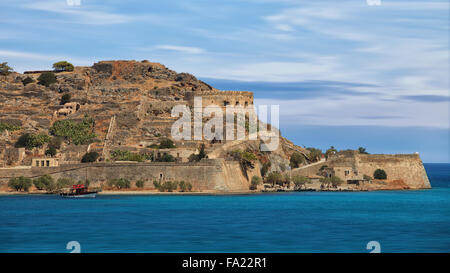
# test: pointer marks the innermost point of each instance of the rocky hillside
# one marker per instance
(129, 102)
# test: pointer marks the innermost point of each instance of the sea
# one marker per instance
(393, 221)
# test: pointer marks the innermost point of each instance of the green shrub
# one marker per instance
(119, 155)
(27, 80)
(64, 183)
(65, 99)
(63, 66)
(5, 69)
(30, 141)
(246, 159)
(90, 157)
(166, 158)
(296, 159)
(55, 142)
(256, 180)
(47, 78)
(362, 150)
(333, 181)
(140, 184)
(169, 186)
(51, 151)
(185, 186)
(274, 178)
(314, 154)
(6, 126)
(300, 181)
(166, 143)
(379, 174)
(20, 183)
(200, 156)
(265, 168)
(45, 182)
(336, 181)
(330, 151)
(366, 177)
(119, 183)
(74, 132)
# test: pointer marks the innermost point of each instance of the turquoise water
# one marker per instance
(401, 221)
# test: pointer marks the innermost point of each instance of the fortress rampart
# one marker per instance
(212, 174)
(405, 167)
(221, 98)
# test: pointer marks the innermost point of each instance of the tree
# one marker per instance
(330, 151)
(5, 69)
(265, 168)
(90, 157)
(287, 180)
(200, 156)
(119, 183)
(274, 178)
(140, 184)
(362, 150)
(367, 178)
(63, 66)
(45, 182)
(165, 158)
(55, 142)
(20, 183)
(157, 184)
(30, 141)
(27, 80)
(64, 182)
(166, 143)
(300, 181)
(336, 181)
(51, 151)
(167, 186)
(65, 99)
(182, 185)
(314, 154)
(47, 78)
(379, 174)
(296, 159)
(256, 180)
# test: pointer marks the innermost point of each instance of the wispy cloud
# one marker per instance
(181, 49)
(83, 14)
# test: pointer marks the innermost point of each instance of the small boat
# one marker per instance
(80, 191)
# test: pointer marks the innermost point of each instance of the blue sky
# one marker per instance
(344, 73)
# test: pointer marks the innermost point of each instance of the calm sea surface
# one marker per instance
(401, 221)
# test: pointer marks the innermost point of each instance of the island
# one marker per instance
(110, 126)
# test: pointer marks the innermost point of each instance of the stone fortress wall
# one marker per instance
(407, 168)
(221, 98)
(207, 175)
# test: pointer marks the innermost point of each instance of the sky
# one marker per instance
(347, 73)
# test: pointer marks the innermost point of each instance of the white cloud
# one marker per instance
(181, 49)
(364, 111)
(82, 14)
